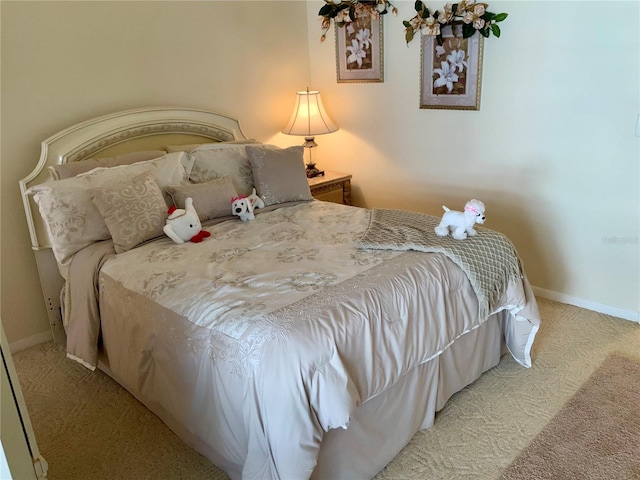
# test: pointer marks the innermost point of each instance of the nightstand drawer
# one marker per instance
(331, 187)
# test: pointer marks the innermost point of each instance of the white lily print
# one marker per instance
(447, 76)
(357, 53)
(364, 37)
(457, 60)
(440, 50)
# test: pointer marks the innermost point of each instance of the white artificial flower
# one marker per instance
(473, 16)
(416, 22)
(357, 53)
(457, 60)
(463, 5)
(343, 16)
(430, 26)
(447, 15)
(447, 77)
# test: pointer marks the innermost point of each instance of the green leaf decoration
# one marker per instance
(325, 10)
(496, 30)
(408, 35)
(500, 17)
(419, 6)
(406, 23)
(467, 30)
(485, 32)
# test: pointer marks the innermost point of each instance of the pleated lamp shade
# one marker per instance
(309, 117)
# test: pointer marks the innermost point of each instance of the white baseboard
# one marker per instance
(25, 343)
(587, 304)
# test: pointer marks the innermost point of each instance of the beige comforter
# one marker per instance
(271, 332)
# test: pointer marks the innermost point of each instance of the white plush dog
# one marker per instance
(243, 206)
(183, 224)
(461, 223)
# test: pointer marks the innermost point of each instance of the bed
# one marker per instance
(295, 345)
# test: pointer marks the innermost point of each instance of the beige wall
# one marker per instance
(65, 62)
(552, 151)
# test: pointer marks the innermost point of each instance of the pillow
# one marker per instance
(67, 170)
(193, 146)
(211, 199)
(72, 220)
(215, 160)
(134, 212)
(279, 174)
(168, 170)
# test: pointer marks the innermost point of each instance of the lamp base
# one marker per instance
(312, 171)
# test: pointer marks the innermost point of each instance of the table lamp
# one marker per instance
(309, 118)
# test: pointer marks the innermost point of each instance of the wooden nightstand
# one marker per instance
(331, 187)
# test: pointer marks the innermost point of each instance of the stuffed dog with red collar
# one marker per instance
(183, 224)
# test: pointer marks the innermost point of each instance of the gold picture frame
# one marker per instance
(359, 51)
(451, 73)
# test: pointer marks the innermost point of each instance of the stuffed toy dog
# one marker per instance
(183, 225)
(461, 223)
(243, 206)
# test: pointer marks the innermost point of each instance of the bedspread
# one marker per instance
(271, 332)
(489, 259)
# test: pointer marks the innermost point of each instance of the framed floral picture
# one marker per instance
(359, 50)
(451, 72)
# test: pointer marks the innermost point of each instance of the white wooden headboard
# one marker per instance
(127, 131)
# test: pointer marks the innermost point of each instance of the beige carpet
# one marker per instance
(596, 435)
(87, 427)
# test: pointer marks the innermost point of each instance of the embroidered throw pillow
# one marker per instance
(134, 212)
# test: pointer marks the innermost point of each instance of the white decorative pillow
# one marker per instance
(72, 220)
(279, 174)
(134, 212)
(211, 199)
(217, 160)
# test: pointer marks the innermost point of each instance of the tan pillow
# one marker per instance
(279, 174)
(211, 199)
(134, 212)
(67, 170)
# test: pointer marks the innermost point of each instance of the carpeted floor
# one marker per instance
(88, 427)
(596, 435)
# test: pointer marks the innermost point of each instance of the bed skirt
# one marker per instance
(383, 425)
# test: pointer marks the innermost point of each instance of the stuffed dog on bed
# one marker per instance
(461, 223)
(243, 206)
